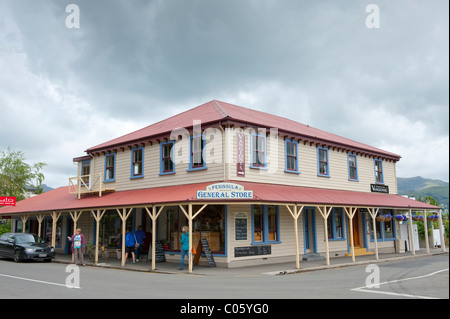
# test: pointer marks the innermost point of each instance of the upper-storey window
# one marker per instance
(85, 171)
(110, 167)
(291, 156)
(167, 162)
(258, 147)
(196, 149)
(322, 162)
(352, 167)
(379, 178)
(137, 162)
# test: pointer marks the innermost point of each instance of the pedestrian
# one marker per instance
(130, 243)
(139, 236)
(78, 242)
(184, 246)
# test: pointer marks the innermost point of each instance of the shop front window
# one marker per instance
(209, 225)
(265, 224)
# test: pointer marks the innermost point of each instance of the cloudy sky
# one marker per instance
(132, 63)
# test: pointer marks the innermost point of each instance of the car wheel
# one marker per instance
(17, 256)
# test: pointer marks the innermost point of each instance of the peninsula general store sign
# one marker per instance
(225, 191)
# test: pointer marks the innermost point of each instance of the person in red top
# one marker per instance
(78, 246)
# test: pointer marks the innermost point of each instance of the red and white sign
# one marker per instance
(7, 201)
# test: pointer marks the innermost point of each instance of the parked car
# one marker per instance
(23, 246)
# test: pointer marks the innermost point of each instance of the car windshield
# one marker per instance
(27, 238)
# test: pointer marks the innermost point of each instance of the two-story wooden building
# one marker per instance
(258, 187)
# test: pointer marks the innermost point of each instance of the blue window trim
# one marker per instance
(375, 160)
(348, 165)
(296, 171)
(334, 211)
(132, 176)
(199, 168)
(265, 211)
(264, 166)
(318, 162)
(104, 176)
(161, 163)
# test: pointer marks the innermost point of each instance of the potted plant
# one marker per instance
(399, 218)
(387, 217)
(380, 218)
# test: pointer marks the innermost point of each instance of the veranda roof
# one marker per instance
(61, 200)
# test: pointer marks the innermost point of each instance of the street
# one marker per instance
(423, 277)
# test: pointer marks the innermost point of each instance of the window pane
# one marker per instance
(273, 234)
(258, 223)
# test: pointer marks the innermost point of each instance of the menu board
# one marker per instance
(252, 251)
(241, 228)
(208, 253)
(159, 252)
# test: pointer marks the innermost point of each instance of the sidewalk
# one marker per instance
(269, 269)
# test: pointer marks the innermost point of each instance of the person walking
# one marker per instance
(184, 246)
(139, 236)
(78, 243)
(130, 243)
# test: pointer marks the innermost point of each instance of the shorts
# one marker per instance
(129, 249)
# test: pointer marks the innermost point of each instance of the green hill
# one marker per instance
(421, 187)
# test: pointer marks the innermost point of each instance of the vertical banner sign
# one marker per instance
(240, 142)
(7, 201)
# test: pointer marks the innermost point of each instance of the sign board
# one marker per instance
(160, 256)
(252, 251)
(241, 228)
(240, 160)
(225, 191)
(208, 253)
(7, 201)
(379, 188)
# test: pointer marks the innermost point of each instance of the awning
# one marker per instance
(61, 200)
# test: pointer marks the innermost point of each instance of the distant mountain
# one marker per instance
(46, 188)
(421, 187)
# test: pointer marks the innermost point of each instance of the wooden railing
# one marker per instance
(86, 184)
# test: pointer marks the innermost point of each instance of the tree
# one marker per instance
(16, 175)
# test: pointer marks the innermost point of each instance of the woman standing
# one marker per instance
(78, 246)
(184, 246)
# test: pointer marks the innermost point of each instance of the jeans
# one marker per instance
(183, 253)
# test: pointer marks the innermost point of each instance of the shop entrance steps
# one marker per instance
(360, 251)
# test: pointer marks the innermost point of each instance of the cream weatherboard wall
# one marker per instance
(307, 166)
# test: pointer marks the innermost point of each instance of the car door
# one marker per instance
(8, 247)
(3, 238)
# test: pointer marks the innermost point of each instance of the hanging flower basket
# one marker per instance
(380, 219)
(418, 218)
(433, 217)
(405, 218)
(399, 218)
(387, 217)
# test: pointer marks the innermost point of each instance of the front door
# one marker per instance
(355, 225)
(309, 230)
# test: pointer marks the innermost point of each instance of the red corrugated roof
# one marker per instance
(218, 111)
(60, 199)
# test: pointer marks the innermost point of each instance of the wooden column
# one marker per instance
(123, 216)
(55, 217)
(24, 219)
(441, 230)
(190, 216)
(425, 227)
(40, 218)
(373, 213)
(75, 216)
(154, 215)
(325, 213)
(98, 214)
(411, 233)
(350, 213)
(295, 214)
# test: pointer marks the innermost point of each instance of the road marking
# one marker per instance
(38, 281)
(370, 288)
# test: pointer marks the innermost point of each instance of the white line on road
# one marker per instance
(371, 289)
(38, 281)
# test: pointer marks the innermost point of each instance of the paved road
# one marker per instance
(422, 277)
